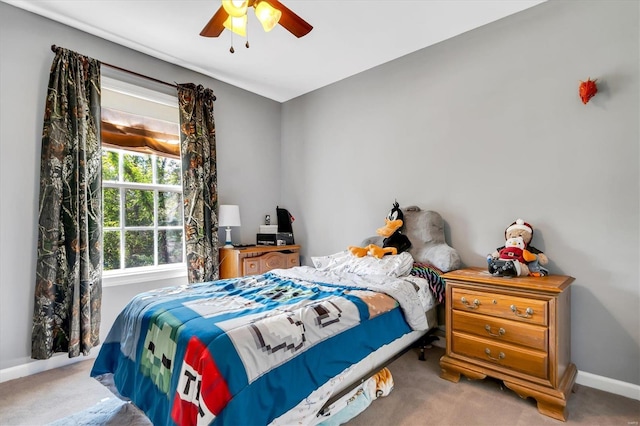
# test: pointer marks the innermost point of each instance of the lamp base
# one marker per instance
(227, 243)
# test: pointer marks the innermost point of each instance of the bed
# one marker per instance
(285, 347)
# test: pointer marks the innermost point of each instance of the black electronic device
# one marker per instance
(285, 230)
(502, 268)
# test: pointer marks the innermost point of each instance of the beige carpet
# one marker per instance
(110, 411)
(420, 397)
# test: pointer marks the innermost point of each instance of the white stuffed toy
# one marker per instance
(517, 257)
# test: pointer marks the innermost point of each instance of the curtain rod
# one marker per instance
(54, 47)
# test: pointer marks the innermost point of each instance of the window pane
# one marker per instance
(169, 171)
(137, 168)
(111, 243)
(111, 207)
(169, 246)
(138, 207)
(138, 248)
(169, 208)
(109, 165)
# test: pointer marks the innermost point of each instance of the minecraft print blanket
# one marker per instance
(247, 350)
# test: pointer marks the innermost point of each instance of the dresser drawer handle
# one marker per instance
(501, 355)
(476, 303)
(528, 312)
(501, 331)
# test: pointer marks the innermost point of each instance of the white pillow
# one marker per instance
(393, 266)
(331, 262)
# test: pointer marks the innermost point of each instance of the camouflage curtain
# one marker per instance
(68, 288)
(199, 180)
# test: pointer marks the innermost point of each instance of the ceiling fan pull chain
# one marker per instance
(232, 50)
(247, 43)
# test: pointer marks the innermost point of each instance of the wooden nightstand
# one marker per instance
(517, 330)
(238, 262)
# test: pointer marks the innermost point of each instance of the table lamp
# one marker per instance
(228, 216)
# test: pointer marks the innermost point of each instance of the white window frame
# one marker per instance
(137, 275)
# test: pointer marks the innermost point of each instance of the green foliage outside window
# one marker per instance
(111, 207)
(111, 250)
(149, 227)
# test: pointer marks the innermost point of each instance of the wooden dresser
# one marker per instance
(514, 329)
(238, 262)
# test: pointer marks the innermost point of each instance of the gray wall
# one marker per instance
(25, 41)
(485, 128)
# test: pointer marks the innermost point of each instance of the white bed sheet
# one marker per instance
(414, 299)
(305, 413)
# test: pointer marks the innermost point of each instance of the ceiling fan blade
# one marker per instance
(290, 21)
(215, 25)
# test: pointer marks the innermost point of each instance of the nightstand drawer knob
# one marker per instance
(501, 331)
(501, 355)
(475, 305)
(528, 312)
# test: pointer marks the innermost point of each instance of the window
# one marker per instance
(142, 210)
(141, 180)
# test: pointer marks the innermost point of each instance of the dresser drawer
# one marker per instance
(273, 261)
(501, 330)
(293, 259)
(527, 361)
(266, 262)
(255, 260)
(251, 266)
(532, 311)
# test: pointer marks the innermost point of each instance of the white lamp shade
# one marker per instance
(235, 8)
(237, 25)
(229, 215)
(267, 15)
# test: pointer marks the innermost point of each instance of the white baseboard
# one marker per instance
(606, 384)
(618, 387)
(38, 366)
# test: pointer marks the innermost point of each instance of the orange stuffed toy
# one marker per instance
(395, 242)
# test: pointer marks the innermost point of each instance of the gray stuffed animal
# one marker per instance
(425, 229)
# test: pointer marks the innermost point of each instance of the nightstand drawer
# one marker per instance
(273, 261)
(532, 336)
(255, 260)
(293, 259)
(266, 262)
(251, 266)
(532, 311)
(527, 361)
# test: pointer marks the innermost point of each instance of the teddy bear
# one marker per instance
(514, 250)
(395, 242)
(517, 257)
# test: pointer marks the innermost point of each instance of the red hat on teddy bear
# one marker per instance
(519, 224)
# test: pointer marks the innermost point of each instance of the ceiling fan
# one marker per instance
(233, 16)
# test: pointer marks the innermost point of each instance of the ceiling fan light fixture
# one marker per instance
(268, 15)
(269, 12)
(237, 25)
(235, 8)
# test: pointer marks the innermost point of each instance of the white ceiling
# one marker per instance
(349, 36)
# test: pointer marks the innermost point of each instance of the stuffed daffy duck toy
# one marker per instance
(395, 242)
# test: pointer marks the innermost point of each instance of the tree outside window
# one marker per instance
(142, 202)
